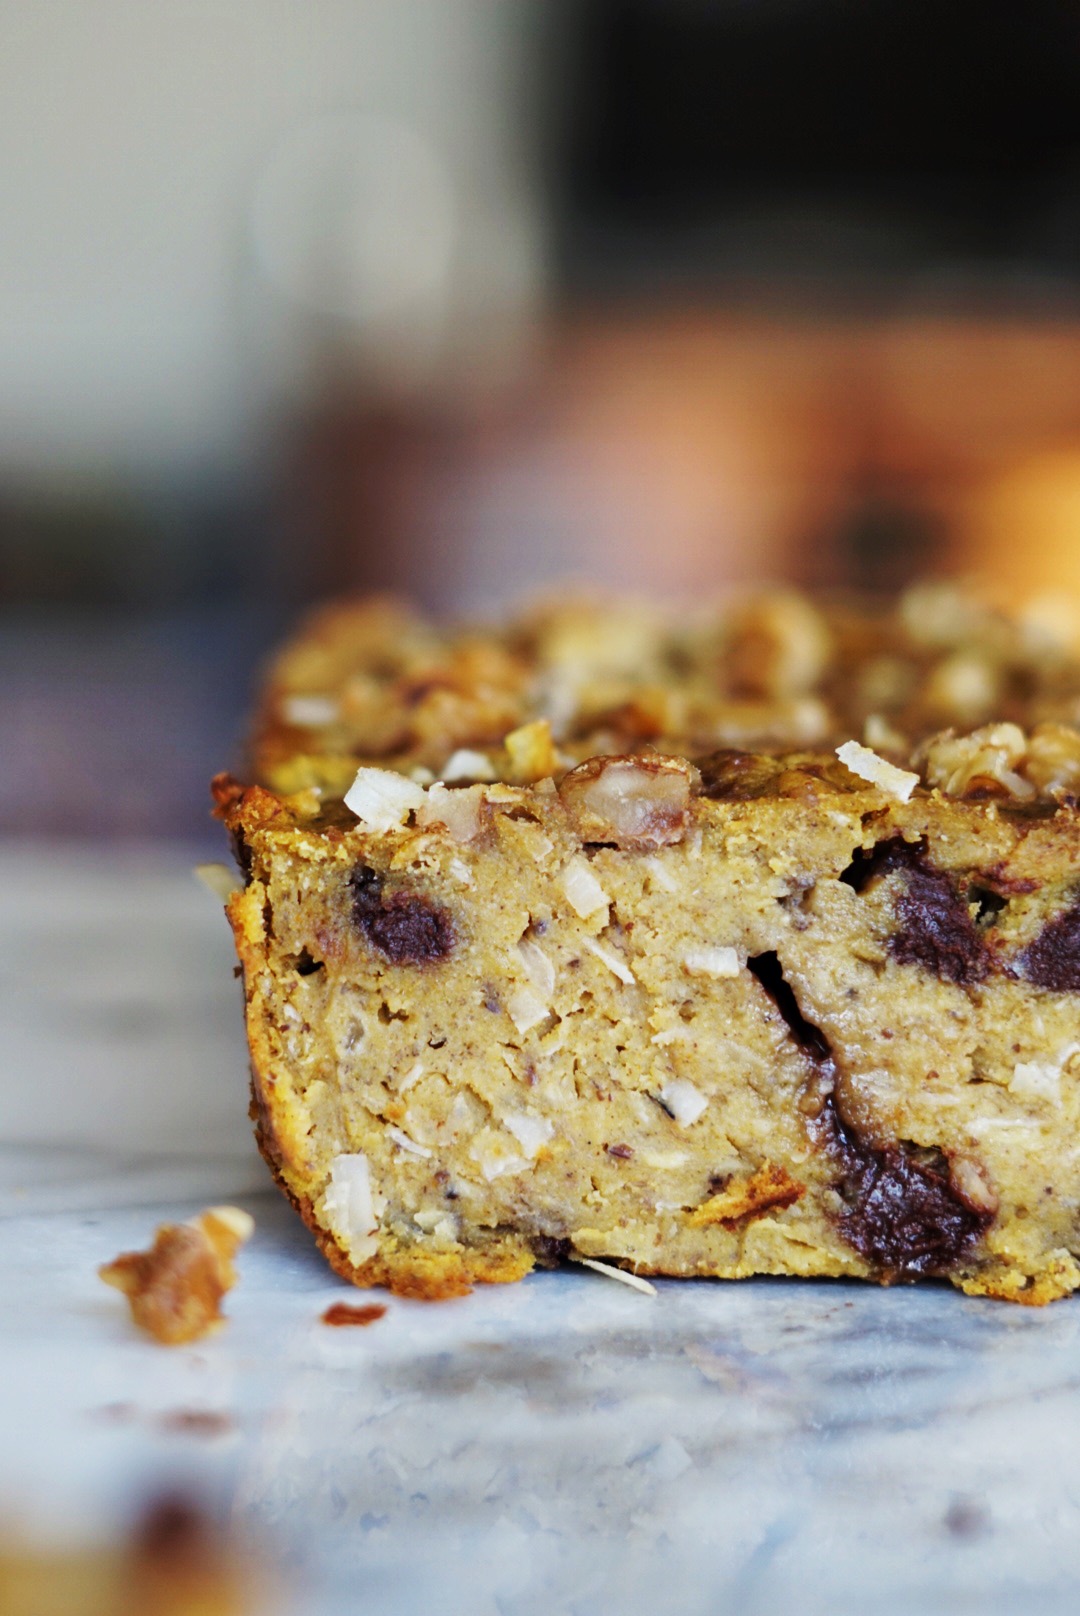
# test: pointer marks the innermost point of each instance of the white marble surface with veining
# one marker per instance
(562, 1445)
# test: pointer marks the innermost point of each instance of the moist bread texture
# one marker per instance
(540, 961)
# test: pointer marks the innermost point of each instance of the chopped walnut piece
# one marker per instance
(940, 615)
(983, 762)
(968, 1179)
(880, 736)
(532, 753)
(964, 688)
(1052, 763)
(639, 803)
(778, 645)
(175, 1289)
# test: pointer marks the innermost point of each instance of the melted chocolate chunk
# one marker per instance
(1053, 959)
(903, 1212)
(550, 1250)
(935, 927)
(901, 1209)
(407, 927)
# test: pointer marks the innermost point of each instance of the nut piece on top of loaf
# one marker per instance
(744, 946)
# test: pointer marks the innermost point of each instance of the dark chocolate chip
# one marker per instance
(1053, 959)
(868, 863)
(903, 1213)
(409, 928)
(935, 928)
(551, 1250)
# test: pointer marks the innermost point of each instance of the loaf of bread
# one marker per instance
(742, 946)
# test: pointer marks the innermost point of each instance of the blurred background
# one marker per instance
(467, 296)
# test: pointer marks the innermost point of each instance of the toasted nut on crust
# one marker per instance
(638, 803)
(175, 1289)
(778, 646)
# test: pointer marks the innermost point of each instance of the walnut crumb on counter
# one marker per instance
(175, 1289)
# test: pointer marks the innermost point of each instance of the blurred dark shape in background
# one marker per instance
(465, 299)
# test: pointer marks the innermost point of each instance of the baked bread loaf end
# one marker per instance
(724, 1012)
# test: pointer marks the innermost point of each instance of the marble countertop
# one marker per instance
(562, 1445)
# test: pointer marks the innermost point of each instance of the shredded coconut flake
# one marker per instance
(635, 1281)
(712, 962)
(660, 873)
(439, 1224)
(1041, 1080)
(310, 712)
(664, 1161)
(460, 810)
(531, 1132)
(381, 799)
(408, 1144)
(538, 968)
(684, 1101)
(526, 1008)
(672, 1035)
(898, 783)
(351, 1208)
(465, 764)
(608, 957)
(585, 894)
(494, 1155)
